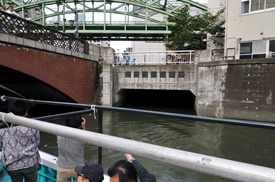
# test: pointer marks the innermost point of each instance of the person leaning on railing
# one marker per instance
(10, 11)
(128, 170)
(70, 152)
(19, 146)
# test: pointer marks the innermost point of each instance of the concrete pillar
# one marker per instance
(107, 89)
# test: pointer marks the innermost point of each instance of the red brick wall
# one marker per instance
(73, 76)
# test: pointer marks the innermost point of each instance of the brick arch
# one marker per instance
(75, 77)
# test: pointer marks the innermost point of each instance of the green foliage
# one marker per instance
(189, 32)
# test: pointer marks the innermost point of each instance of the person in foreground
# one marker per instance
(128, 170)
(70, 152)
(19, 146)
(91, 172)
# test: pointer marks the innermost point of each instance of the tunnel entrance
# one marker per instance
(159, 98)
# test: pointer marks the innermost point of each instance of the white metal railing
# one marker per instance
(155, 57)
(207, 164)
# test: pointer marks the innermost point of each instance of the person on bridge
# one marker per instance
(128, 170)
(19, 146)
(10, 11)
(70, 152)
(133, 62)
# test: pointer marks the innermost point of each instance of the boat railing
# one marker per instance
(224, 168)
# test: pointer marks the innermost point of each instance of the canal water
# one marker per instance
(239, 143)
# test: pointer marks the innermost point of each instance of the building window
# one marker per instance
(136, 74)
(181, 74)
(128, 74)
(248, 6)
(272, 47)
(245, 6)
(162, 74)
(172, 74)
(145, 74)
(153, 74)
(270, 4)
(246, 50)
(252, 50)
(257, 5)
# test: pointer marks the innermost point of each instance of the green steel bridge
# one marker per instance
(134, 20)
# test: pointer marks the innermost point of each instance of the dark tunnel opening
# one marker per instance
(159, 98)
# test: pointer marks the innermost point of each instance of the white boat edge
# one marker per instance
(49, 160)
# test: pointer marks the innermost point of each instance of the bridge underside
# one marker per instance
(17, 84)
(120, 33)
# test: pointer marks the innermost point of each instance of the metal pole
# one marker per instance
(202, 163)
(23, 12)
(84, 16)
(55, 116)
(166, 114)
(64, 19)
(104, 28)
(190, 57)
(58, 17)
(159, 58)
(100, 114)
(125, 16)
(43, 14)
(76, 21)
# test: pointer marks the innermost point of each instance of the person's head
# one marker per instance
(91, 172)
(122, 171)
(19, 107)
(74, 121)
(1, 7)
(10, 8)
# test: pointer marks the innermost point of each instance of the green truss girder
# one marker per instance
(152, 6)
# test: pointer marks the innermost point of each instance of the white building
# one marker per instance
(249, 28)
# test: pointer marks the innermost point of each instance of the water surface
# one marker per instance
(239, 143)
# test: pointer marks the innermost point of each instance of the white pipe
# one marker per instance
(207, 164)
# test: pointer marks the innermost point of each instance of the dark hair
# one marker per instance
(18, 107)
(125, 170)
(74, 121)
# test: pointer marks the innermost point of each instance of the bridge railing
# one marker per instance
(155, 57)
(20, 27)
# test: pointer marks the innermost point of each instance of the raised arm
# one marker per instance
(143, 174)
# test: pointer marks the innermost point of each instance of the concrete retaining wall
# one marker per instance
(241, 89)
(156, 77)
